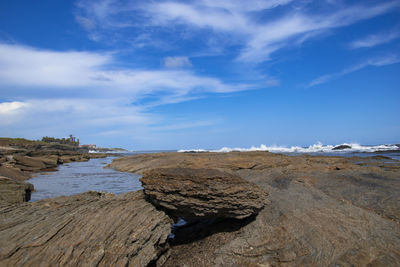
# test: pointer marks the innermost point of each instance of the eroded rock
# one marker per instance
(324, 211)
(89, 229)
(27, 163)
(341, 147)
(13, 191)
(187, 192)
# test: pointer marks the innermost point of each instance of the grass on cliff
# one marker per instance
(6, 141)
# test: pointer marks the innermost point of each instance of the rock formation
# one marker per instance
(89, 229)
(324, 211)
(13, 191)
(191, 193)
(341, 147)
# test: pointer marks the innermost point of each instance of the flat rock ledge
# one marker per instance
(89, 229)
(203, 193)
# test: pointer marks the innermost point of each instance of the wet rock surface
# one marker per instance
(341, 147)
(324, 211)
(89, 229)
(191, 193)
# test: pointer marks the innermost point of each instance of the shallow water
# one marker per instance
(79, 177)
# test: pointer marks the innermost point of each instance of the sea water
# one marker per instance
(78, 177)
(318, 149)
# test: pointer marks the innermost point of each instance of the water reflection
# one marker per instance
(79, 177)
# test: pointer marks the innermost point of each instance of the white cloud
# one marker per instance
(8, 108)
(375, 39)
(240, 6)
(57, 93)
(11, 112)
(26, 67)
(285, 31)
(61, 116)
(376, 62)
(86, 23)
(259, 38)
(177, 62)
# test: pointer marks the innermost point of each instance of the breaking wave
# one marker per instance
(318, 147)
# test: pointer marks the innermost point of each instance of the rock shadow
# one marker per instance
(188, 230)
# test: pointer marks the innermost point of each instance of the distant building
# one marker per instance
(89, 146)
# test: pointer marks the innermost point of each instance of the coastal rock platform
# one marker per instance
(319, 211)
(89, 229)
(324, 211)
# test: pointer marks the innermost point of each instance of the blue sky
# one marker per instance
(201, 74)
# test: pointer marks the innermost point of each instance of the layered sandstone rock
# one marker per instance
(186, 192)
(324, 211)
(89, 229)
(13, 191)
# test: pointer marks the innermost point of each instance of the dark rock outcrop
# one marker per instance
(13, 191)
(189, 193)
(89, 229)
(341, 147)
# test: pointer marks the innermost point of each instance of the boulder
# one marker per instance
(73, 158)
(341, 147)
(89, 229)
(13, 191)
(27, 163)
(191, 193)
(50, 161)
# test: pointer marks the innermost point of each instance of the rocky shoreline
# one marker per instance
(242, 209)
(19, 160)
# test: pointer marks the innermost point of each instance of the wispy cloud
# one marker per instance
(272, 82)
(376, 62)
(58, 92)
(376, 39)
(28, 67)
(299, 26)
(177, 62)
(258, 38)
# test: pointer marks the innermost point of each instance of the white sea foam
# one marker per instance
(318, 147)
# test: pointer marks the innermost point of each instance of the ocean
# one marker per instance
(318, 149)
